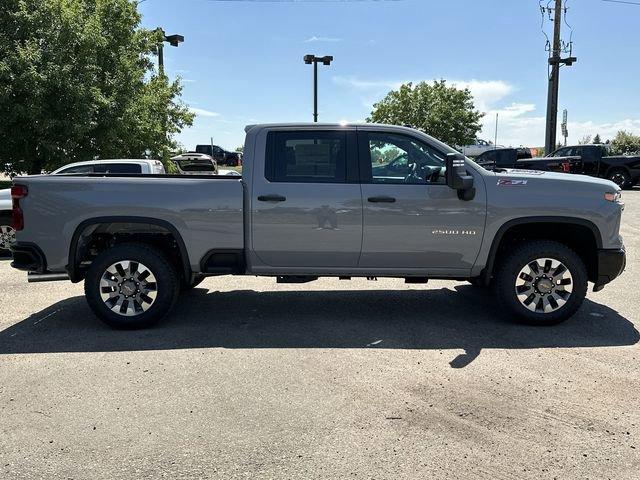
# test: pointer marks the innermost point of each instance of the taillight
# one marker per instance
(17, 217)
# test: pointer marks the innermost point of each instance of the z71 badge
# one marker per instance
(511, 182)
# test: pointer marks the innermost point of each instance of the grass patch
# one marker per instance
(5, 184)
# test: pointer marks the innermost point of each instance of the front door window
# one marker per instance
(400, 159)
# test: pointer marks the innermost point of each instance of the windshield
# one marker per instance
(195, 165)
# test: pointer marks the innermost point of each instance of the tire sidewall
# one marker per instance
(627, 178)
(156, 262)
(521, 256)
(5, 220)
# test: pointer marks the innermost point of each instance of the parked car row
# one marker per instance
(593, 160)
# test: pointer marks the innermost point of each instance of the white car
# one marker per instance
(127, 165)
(8, 235)
(233, 173)
(193, 163)
(478, 148)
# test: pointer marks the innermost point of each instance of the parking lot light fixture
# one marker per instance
(312, 59)
(173, 40)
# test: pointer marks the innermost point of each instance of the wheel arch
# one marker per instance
(510, 228)
(73, 267)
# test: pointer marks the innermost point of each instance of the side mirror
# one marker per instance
(457, 177)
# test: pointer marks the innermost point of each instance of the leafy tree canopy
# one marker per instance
(77, 82)
(445, 112)
(625, 143)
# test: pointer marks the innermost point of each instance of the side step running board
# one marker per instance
(46, 277)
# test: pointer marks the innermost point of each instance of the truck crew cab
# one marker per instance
(324, 200)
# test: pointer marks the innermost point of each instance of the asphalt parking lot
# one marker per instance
(331, 379)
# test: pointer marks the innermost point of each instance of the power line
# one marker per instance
(303, 1)
(622, 1)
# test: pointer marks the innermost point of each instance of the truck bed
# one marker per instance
(206, 209)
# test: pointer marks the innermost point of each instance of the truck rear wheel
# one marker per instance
(7, 235)
(131, 286)
(621, 178)
(541, 282)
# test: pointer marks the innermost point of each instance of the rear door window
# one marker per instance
(307, 157)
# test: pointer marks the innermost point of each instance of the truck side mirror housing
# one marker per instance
(457, 177)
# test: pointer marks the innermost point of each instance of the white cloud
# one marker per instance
(204, 113)
(485, 92)
(519, 123)
(322, 39)
(355, 82)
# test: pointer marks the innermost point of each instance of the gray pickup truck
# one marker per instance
(323, 200)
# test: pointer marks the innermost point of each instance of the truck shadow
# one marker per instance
(381, 319)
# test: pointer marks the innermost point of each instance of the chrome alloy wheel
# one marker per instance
(128, 288)
(544, 285)
(7, 237)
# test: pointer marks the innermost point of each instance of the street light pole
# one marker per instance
(161, 58)
(173, 40)
(315, 92)
(312, 59)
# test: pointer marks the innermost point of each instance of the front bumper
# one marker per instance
(611, 264)
(28, 257)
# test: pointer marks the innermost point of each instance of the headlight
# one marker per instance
(613, 197)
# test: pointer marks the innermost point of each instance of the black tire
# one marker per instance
(166, 285)
(620, 178)
(526, 254)
(5, 227)
(477, 282)
(186, 286)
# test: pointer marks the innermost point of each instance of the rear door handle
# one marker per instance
(271, 198)
(382, 199)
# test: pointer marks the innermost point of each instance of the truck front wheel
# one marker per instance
(131, 286)
(541, 282)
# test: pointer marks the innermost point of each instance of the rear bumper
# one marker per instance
(28, 257)
(611, 264)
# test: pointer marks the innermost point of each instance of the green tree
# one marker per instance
(625, 143)
(77, 82)
(597, 139)
(444, 112)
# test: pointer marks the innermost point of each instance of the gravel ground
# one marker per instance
(331, 379)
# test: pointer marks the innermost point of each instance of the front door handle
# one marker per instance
(271, 198)
(382, 199)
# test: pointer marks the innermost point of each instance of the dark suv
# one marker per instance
(220, 155)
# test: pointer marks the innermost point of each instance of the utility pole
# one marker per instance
(555, 60)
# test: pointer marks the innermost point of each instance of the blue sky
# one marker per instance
(241, 61)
